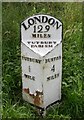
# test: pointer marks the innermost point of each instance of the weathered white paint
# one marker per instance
(52, 88)
(41, 66)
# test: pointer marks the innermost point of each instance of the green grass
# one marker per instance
(71, 106)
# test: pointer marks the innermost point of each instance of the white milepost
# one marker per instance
(41, 59)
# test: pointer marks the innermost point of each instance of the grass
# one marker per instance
(71, 106)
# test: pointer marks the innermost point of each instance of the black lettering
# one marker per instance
(30, 77)
(42, 42)
(53, 68)
(48, 78)
(31, 59)
(32, 46)
(29, 69)
(51, 59)
(47, 27)
(45, 60)
(59, 57)
(49, 35)
(54, 42)
(25, 75)
(26, 27)
(53, 77)
(51, 21)
(40, 35)
(33, 78)
(45, 35)
(30, 21)
(28, 42)
(57, 25)
(34, 35)
(46, 46)
(44, 19)
(37, 42)
(40, 28)
(50, 45)
(37, 19)
(46, 42)
(41, 19)
(58, 75)
(33, 42)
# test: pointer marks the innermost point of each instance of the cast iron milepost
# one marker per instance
(41, 60)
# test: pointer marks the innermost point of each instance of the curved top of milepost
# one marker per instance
(42, 15)
(41, 33)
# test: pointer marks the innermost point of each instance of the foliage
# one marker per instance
(71, 106)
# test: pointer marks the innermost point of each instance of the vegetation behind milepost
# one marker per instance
(71, 106)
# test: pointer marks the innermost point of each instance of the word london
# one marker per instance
(41, 19)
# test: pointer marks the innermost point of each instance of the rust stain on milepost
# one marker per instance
(37, 98)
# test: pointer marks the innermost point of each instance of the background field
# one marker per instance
(71, 106)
